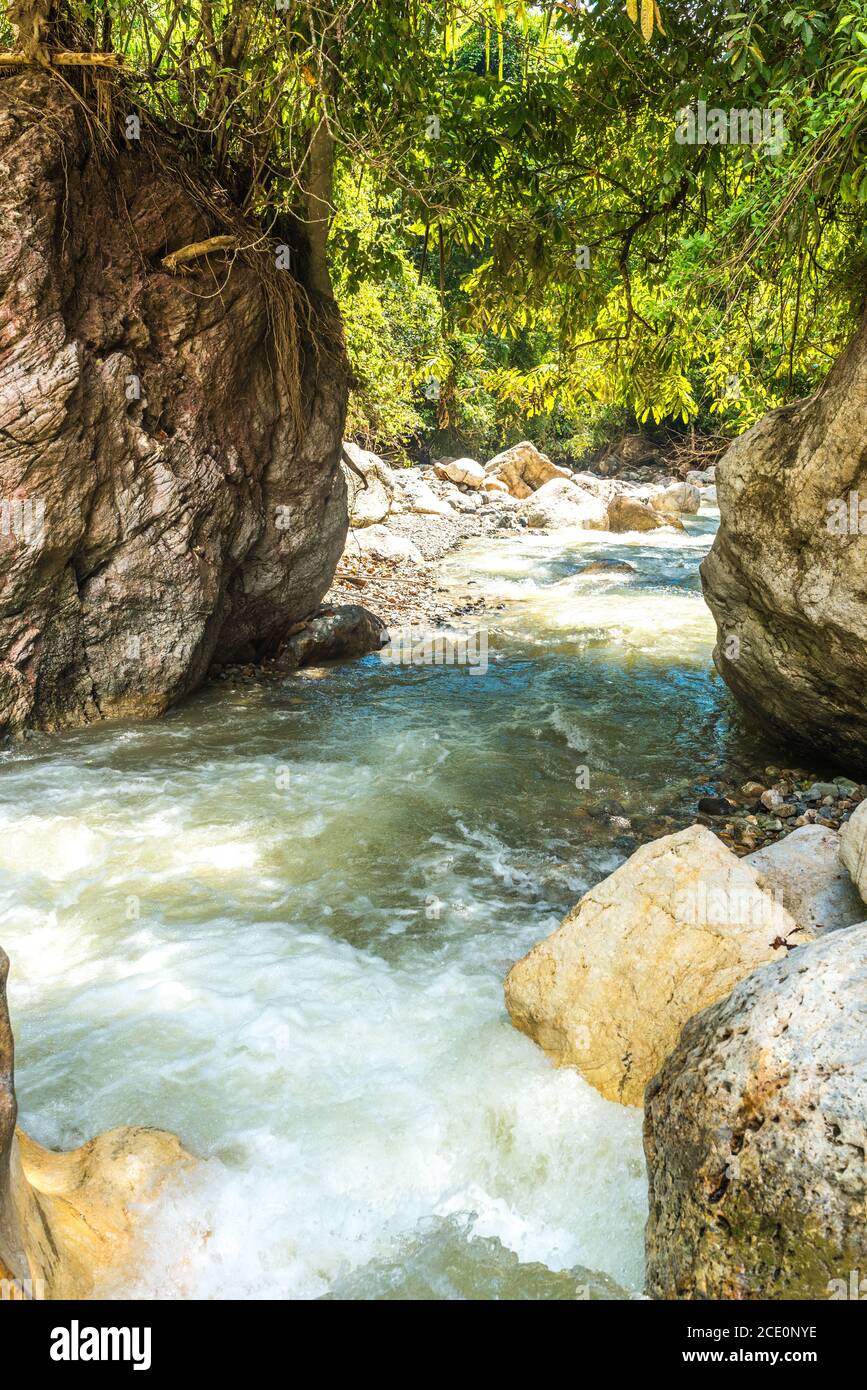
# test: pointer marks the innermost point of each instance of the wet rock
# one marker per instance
(369, 501)
(819, 790)
(611, 567)
(669, 932)
(336, 634)
(187, 512)
(755, 1131)
(523, 469)
(70, 1223)
(714, 806)
(804, 871)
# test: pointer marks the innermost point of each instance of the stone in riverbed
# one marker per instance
(464, 470)
(755, 1133)
(821, 789)
(630, 514)
(680, 497)
(371, 503)
(382, 544)
(523, 469)
(853, 848)
(418, 496)
(669, 932)
(342, 633)
(71, 1222)
(559, 503)
(804, 871)
(611, 567)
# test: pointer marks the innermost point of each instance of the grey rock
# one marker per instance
(804, 871)
(755, 1133)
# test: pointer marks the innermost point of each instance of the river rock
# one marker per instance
(755, 1133)
(679, 497)
(164, 507)
(382, 543)
(466, 471)
(610, 567)
(560, 503)
(853, 848)
(523, 469)
(669, 932)
(371, 503)
(804, 871)
(70, 1223)
(702, 477)
(788, 569)
(418, 495)
(631, 514)
(341, 633)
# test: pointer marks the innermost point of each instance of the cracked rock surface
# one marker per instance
(755, 1135)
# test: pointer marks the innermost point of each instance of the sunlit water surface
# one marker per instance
(277, 923)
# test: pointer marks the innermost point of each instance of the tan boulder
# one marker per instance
(631, 514)
(668, 933)
(464, 470)
(853, 848)
(523, 469)
(70, 1222)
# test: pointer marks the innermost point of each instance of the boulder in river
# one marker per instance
(523, 469)
(786, 577)
(370, 498)
(70, 1223)
(560, 503)
(755, 1132)
(679, 497)
(805, 871)
(172, 497)
(465, 471)
(853, 848)
(341, 633)
(669, 932)
(631, 514)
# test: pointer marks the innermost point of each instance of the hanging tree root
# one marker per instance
(199, 248)
(64, 58)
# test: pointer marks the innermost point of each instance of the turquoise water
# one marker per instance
(277, 923)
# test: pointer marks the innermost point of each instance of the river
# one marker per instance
(277, 922)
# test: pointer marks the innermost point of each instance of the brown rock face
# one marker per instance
(787, 574)
(69, 1221)
(160, 508)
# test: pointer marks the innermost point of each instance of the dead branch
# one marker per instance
(199, 248)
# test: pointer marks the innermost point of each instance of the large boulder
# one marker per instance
(383, 544)
(464, 471)
(169, 443)
(679, 497)
(341, 633)
(787, 574)
(418, 496)
(72, 1224)
(369, 496)
(523, 469)
(560, 503)
(804, 871)
(755, 1132)
(853, 848)
(631, 514)
(669, 932)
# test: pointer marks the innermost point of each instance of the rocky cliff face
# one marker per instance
(786, 579)
(161, 505)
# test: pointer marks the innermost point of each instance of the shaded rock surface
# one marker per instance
(787, 573)
(69, 1222)
(334, 634)
(162, 509)
(805, 872)
(755, 1134)
(669, 932)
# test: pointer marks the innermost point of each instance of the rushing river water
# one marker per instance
(277, 923)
